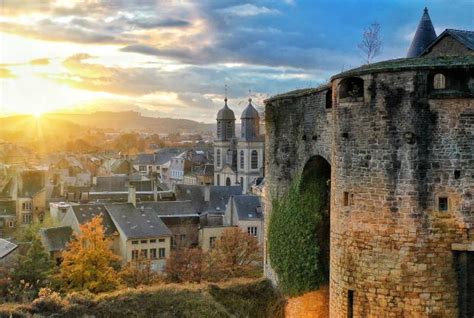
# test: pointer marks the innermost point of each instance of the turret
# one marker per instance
(425, 34)
(225, 123)
(250, 121)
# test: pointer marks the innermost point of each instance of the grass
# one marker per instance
(236, 298)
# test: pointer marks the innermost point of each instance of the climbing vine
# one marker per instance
(295, 237)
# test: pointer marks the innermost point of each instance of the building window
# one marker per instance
(350, 303)
(218, 158)
(173, 242)
(154, 241)
(144, 253)
(26, 206)
(229, 131)
(142, 168)
(443, 204)
(329, 99)
(160, 240)
(27, 218)
(134, 254)
(212, 242)
(134, 242)
(143, 241)
(228, 182)
(254, 159)
(352, 87)
(242, 182)
(182, 237)
(439, 81)
(242, 157)
(11, 224)
(218, 179)
(161, 252)
(346, 199)
(153, 253)
(252, 230)
(464, 265)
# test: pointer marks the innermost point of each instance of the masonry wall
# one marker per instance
(298, 127)
(390, 245)
(394, 153)
(448, 46)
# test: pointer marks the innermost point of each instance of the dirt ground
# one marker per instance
(314, 304)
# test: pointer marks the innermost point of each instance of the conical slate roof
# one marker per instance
(249, 112)
(225, 113)
(425, 34)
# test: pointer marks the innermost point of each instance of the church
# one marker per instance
(238, 161)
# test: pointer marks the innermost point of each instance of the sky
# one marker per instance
(173, 58)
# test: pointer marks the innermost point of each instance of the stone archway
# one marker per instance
(316, 176)
(228, 182)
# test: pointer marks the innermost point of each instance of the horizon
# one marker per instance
(172, 59)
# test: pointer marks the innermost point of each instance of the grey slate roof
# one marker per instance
(136, 223)
(425, 34)
(164, 155)
(193, 193)
(111, 184)
(225, 113)
(85, 212)
(55, 238)
(249, 112)
(465, 37)
(145, 159)
(6, 247)
(248, 207)
(33, 182)
(170, 208)
(219, 197)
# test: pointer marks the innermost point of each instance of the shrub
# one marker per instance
(294, 243)
(48, 301)
(139, 272)
(184, 265)
(236, 254)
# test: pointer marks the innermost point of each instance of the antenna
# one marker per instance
(225, 99)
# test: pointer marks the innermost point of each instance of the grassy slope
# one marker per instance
(243, 298)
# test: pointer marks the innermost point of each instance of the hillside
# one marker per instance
(245, 298)
(127, 121)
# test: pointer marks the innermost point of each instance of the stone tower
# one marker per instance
(250, 148)
(425, 34)
(225, 162)
(396, 139)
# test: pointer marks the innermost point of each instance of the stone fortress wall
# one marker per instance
(402, 182)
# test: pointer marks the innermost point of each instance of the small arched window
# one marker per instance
(218, 177)
(219, 129)
(242, 182)
(218, 158)
(242, 158)
(227, 182)
(229, 130)
(254, 159)
(352, 87)
(329, 99)
(439, 81)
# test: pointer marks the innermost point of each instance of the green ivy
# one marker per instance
(298, 241)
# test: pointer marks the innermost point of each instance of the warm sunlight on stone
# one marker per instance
(314, 304)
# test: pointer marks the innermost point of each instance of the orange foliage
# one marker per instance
(184, 265)
(87, 262)
(314, 304)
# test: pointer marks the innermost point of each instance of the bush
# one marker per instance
(294, 240)
(139, 272)
(48, 301)
(184, 265)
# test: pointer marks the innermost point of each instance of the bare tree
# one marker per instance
(371, 43)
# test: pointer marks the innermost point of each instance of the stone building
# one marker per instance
(396, 141)
(238, 161)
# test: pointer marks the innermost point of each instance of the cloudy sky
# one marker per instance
(173, 58)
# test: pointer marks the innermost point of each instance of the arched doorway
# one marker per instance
(227, 182)
(316, 177)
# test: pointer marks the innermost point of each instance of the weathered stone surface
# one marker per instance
(395, 151)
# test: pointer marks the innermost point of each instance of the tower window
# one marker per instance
(242, 157)
(443, 204)
(439, 81)
(352, 87)
(254, 159)
(218, 157)
(229, 130)
(457, 174)
(227, 182)
(346, 199)
(329, 99)
(350, 303)
(218, 180)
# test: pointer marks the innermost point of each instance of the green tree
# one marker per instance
(88, 261)
(34, 268)
(295, 243)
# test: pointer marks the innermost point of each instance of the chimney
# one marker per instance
(132, 195)
(61, 188)
(155, 190)
(207, 193)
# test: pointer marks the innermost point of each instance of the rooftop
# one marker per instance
(248, 207)
(85, 212)
(6, 247)
(55, 238)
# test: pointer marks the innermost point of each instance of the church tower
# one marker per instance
(425, 34)
(225, 148)
(250, 148)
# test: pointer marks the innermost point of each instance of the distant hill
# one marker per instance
(128, 121)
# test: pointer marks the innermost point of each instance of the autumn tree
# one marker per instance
(235, 254)
(184, 265)
(139, 272)
(88, 261)
(371, 43)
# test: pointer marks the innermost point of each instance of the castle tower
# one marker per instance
(250, 148)
(425, 34)
(224, 148)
